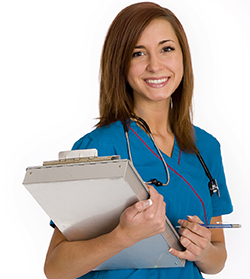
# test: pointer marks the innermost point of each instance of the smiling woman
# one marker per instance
(146, 74)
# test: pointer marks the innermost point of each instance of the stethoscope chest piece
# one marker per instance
(156, 182)
(213, 187)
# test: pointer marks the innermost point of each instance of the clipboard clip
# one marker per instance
(79, 156)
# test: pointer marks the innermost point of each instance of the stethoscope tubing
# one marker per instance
(213, 185)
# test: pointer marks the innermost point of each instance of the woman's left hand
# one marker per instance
(195, 238)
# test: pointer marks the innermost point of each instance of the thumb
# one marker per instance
(143, 205)
(138, 207)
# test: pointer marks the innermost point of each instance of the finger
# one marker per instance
(190, 246)
(194, 219)
(195, 234)
(185, 224)
(138, 207)
(188, 229)
(193, 227)
(143, 205)
(202, 231)
(159, 206)
(152, 191)
(184, 255)
(156, 197)
(199, 236)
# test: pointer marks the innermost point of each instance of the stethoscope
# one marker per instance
(212, 184)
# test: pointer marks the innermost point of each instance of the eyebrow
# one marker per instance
(160, 43)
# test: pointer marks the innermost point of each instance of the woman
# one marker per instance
(146, 73)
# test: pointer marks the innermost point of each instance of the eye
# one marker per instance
(137, 54)
(167, 49)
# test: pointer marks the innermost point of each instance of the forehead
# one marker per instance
(158, 30)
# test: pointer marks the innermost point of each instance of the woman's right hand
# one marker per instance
(143, 219)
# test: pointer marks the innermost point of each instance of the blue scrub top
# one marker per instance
(186, 194)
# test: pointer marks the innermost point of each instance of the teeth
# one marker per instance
(157, 81)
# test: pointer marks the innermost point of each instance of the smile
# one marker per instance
(157, 82)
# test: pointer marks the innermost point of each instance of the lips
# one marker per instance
(157, 82)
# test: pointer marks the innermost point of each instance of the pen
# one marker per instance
(218, 226)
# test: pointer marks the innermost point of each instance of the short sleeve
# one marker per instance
(221, 205)
(210, 150)
(88, 142)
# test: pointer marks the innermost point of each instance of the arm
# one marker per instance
(73, 259)
(203, 246)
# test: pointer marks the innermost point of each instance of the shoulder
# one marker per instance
(204, 140)
(104, 139)
(208, 146)
(108, 133)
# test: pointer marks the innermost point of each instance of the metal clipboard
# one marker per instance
(85, 196)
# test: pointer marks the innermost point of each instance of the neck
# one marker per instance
(156, 118)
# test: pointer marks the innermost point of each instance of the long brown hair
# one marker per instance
(116, 95)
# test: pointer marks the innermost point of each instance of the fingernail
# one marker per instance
(180, 222)
(147, 203)
(170, 250)
(150, 202)
(190, 217)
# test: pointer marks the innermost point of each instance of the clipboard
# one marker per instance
(85, 196)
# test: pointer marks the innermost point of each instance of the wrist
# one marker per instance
(121, 238)
(214, 260)
(205, 256)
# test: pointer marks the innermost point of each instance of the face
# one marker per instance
(156, 67)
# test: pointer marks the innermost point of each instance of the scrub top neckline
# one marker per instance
(147, 139)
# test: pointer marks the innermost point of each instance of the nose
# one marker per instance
(154, 64)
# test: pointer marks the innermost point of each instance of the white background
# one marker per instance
(49, 63)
